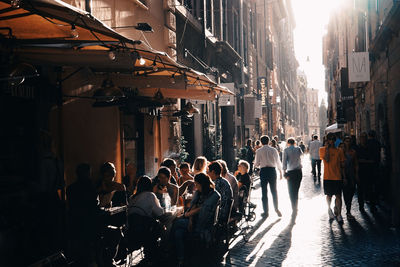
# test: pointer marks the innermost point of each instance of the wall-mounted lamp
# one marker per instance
(187, 111)
(141, 61)
(15, 3)
(173, 79)
(20, 72)
(111, 55)
(271, 92)
(108, 92)
(144, 27)
(191, 108)
(74, 31)
(154, 65)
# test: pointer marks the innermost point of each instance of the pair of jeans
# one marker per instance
(316, 163)
(294, 178)
(268, 176)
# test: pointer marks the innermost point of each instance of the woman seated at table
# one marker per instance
(144, 208)
(199, 219)
(199, 165)
(110, 192)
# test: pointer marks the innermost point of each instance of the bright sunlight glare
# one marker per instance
(311, 18)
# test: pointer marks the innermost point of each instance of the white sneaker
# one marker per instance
(331, 215)
(339, 219)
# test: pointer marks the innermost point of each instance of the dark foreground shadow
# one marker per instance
(280, 247)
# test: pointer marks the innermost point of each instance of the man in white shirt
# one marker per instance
(314, 155)
(267, 158)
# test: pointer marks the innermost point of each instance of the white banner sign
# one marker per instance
(227, 100)
(359, 67)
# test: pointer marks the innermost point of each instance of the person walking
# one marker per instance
(267, 158)
(314, 147)
(351, 175)
(292, 167)
(365, 172)
(249, 157)
(333, 172)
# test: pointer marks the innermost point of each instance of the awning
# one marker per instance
(334, 128)
(40, 32)
(53, 22)
(148, 72)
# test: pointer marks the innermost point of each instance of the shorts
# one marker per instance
(333, 187)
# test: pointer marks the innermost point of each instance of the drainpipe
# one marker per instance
(242, 126)
(88, 6)
(217, 119)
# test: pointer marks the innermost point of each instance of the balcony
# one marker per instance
(226, 52)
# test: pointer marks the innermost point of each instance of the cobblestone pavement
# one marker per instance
(312, 240)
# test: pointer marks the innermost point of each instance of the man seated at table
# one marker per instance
(223, 187)
(161, 184)
(111, 193)
(83, 217)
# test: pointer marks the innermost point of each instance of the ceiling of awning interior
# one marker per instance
(41, 31)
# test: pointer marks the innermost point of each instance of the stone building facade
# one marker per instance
(373, 27)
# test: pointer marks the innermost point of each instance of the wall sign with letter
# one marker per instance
(359, 67)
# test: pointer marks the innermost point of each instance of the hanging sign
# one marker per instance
(262, 90)
(359, 67)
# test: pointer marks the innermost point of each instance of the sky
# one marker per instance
(311, 17)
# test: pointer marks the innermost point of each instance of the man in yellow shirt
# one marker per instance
(333, 159)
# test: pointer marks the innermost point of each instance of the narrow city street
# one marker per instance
(313, 241)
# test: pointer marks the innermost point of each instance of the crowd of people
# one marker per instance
(209, 196)
(208, 193)
(348, 167)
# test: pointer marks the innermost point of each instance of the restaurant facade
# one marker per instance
(85, 90)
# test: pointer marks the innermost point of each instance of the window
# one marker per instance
(142, 3)
(252, 28)
(209, 16)
(225, 21)
(245, 48)
(236, 36)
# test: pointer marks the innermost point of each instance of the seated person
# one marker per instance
(161, 184)
(184, 169)
(83, 214)
(233, 182)
(143, 209)
(130, 179)
(200, 165)
(224, 189)
(244, 183)
(171, 165)
(199, 219)
(186, 191)
(243, 176)
(186, 185)
(108, 189)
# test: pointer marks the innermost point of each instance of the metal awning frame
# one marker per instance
(113, 55)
